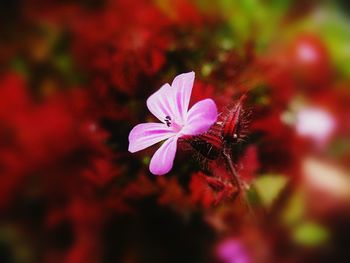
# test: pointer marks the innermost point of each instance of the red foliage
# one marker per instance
(42, 137)
(310, 61)
(201, 193)
(69, 184)
(122, 44)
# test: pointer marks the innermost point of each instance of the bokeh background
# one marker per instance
(74, 79)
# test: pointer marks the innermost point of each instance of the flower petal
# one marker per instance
(200, 117)
(163, 159)
(183, 85)
(146, 134)
(162, 103)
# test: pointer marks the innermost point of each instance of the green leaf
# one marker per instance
(268, 187)
(19, 66)
(310, 234)
(206, 69)
(146, 160)
(64, 63)
(294, 210)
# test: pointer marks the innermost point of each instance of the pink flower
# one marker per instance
(315, 123)
(232, 251)
(170, 105)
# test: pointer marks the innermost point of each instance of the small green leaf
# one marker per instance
(146, 160)
(294, 210)
(64, 63)
(206, 69)
(310, 234)
(268, 187)
(252, 196)
(19, 66)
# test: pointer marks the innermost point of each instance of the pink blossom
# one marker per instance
(232, 251)
(316, 124)
(170, 105)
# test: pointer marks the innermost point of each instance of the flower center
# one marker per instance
(170, 123)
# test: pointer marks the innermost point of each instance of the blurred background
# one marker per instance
(74, 79)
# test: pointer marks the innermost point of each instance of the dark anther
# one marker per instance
(167, 120)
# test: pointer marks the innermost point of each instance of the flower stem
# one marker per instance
(237, 181)
(232, 169)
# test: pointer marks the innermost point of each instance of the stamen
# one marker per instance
(167, 120)
(173, 124)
